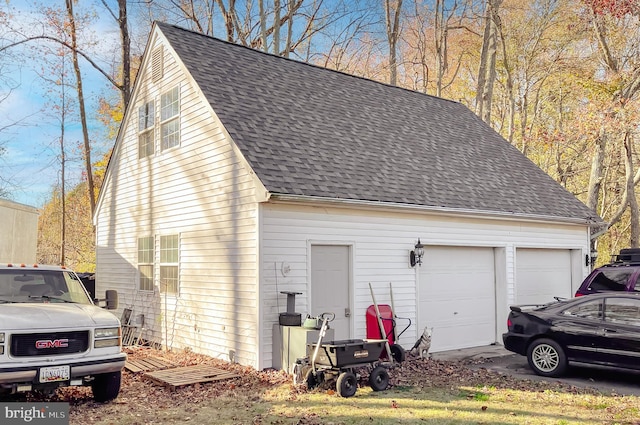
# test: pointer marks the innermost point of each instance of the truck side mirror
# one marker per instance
(111, 299)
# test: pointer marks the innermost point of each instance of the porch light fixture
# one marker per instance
(415, 256)
(590, 258)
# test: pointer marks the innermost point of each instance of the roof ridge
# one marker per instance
(301, 62)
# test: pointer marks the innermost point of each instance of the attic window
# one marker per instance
(170, 118)
(157, 64)
(146, 122)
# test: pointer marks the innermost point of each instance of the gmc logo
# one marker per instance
(56, 343)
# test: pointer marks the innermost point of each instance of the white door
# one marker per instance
(331, 286)
(457, 297)
(542, 274)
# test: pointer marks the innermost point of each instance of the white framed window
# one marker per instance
(146, 250)
(146, 123)
(169, 264)
(170, 118)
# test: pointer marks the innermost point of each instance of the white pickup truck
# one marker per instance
(53, 335)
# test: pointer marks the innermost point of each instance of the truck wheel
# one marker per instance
(347, 384)
(379, 379)
(106, 386)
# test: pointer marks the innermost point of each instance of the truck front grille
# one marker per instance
(49, 344)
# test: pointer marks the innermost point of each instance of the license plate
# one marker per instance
(54, 374)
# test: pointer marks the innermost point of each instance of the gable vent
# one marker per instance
(157, 64)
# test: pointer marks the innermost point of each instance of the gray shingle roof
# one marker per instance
(310, 131)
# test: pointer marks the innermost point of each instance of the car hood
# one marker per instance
(26, 316)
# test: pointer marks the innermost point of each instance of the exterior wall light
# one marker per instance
(415, 256)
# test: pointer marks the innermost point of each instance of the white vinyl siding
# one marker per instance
(381, 244)
(203, 192)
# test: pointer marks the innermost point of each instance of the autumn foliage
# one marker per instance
(617, 8)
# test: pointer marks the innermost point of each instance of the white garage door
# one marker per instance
(542, 274)
(457, 297)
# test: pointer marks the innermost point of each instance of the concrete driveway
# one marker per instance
(496, 358)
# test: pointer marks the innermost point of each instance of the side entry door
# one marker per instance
(331, 286)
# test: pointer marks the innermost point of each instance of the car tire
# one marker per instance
(547, 358)
(106, 386)
(379, 378)
(347, 384)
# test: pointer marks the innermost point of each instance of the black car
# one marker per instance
(602, 329)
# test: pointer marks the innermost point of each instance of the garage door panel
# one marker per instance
(542, 274)
(457, 296)
(461, 307)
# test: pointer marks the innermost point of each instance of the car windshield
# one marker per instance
(41, 286)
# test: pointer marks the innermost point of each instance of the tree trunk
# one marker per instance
(510, 90)
(487, 68)
(228, 16)
(287, 46)
(83, 113)
(440, 28)
(125, 53)
(482, 67)
(630, 188)
(263, 26)
(393, 22)
(276, 27)
(595, 178)
(63, 205)
(487, 95)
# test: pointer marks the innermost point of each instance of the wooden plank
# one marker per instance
(180, 376)
(147, 364)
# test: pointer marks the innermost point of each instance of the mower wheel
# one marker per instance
(347, 384)
(379, 378)
(312, 379)
(398, 353)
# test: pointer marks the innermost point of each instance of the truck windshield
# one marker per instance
(43, 286)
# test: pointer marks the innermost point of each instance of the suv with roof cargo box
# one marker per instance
(53, 335)
(621, 274)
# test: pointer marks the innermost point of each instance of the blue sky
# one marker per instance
(30, 132)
